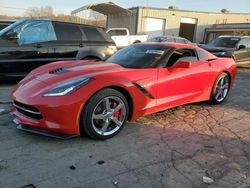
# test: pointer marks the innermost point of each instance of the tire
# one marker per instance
(137, 41)
(220, 89)
(104, 114)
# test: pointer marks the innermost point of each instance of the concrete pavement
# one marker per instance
(175, 148)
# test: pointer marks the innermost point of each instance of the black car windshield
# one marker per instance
(138, 56)
(225, 42)
(10, 27)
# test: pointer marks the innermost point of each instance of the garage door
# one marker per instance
(154, 27)
(187, 28)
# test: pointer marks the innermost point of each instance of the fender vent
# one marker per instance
(59, 71)
(143, 90)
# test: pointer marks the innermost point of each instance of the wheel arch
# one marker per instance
(127, 96)
(136, 41)
(115, 87)
(229, 75)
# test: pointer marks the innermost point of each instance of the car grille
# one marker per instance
(28, 111)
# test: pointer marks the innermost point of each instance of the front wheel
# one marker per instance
(220, 89)
(105, 114)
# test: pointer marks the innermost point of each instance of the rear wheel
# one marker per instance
(105, 114)
(220, 89)
(137, 41)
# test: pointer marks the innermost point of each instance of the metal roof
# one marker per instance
(104, 8)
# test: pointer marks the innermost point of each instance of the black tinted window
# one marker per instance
(202, 54)
(3, 26)
(92, 34)
(68, 32)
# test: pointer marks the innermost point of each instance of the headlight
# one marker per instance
(113, 48)
(67, 88)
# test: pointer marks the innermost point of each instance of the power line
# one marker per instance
(13, 8)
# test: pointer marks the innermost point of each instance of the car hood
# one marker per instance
(215, 49)
(67, 70)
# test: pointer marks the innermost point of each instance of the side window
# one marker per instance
(182, 55)
(35, 31)
(169, 40)
(202, 54)
(118, 32)
(180, 41)
(66, 32)
(248, 40)
(242, 42)
(93, 34)
(105, 35)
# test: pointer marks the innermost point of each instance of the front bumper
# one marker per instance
(42, 132)
(52, 119)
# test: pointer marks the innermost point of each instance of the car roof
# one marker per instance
(56, 21)
(170, 44)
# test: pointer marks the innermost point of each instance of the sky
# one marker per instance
(17, 7)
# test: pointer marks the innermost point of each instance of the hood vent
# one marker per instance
(59, 71)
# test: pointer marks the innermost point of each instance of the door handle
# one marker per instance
(39, 46)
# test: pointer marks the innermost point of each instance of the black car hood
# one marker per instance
(216, 49)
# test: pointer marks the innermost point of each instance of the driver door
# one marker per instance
(242, 54)
(177, 86)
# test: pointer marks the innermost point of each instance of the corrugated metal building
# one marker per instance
(159, 21)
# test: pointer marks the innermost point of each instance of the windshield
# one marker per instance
(4, 31)
(225, 42)
(138, 56)
(156, 39)
(30, 31)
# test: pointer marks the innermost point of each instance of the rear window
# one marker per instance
(118, 32)
(93, 34)
(67, 32)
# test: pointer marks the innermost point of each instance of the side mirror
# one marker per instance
(241, 47)
(12, 35)
(182, 64)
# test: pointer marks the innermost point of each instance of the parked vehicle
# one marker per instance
(236, 47)
(30, 43)
(101, 96)
(170, 39)
(122, 37)
(4, 24)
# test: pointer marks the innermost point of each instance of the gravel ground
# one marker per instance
(174, 148)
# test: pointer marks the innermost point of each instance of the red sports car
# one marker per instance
(98, 97)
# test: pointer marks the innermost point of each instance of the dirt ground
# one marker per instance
(175, 148)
